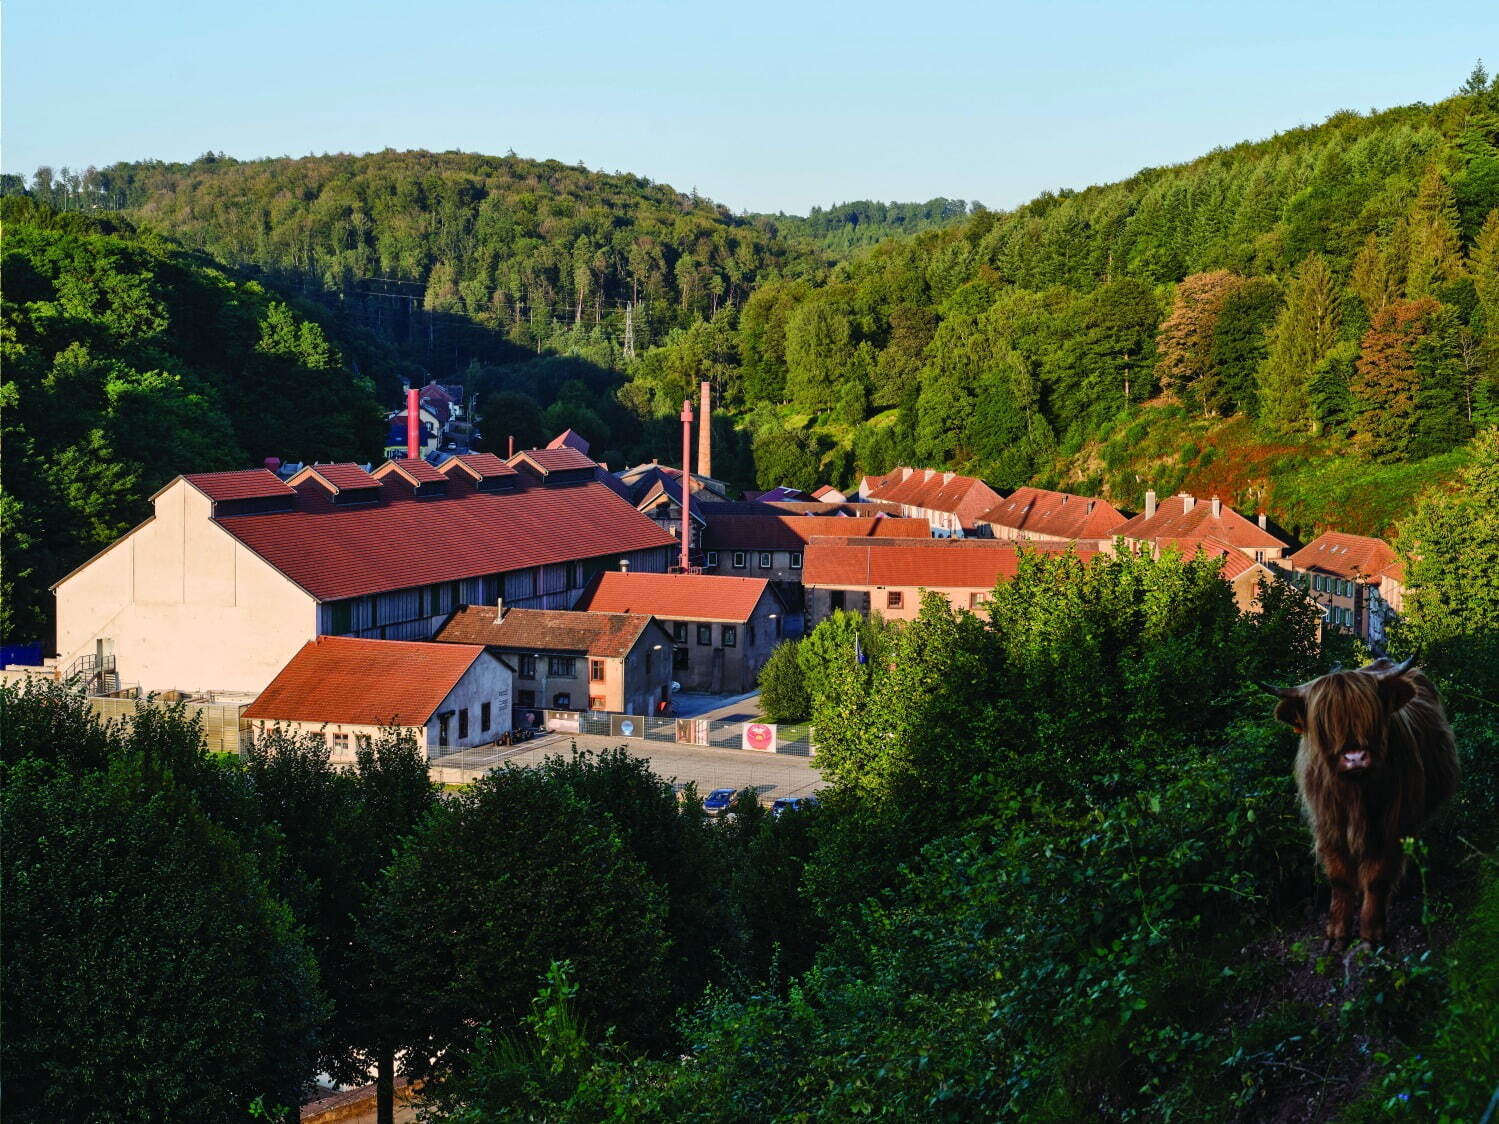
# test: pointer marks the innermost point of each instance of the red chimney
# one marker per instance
(413, 423)
(686, 479)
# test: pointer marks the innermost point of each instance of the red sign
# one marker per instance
(760, 735)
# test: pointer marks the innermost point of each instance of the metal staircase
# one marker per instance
(93, 674)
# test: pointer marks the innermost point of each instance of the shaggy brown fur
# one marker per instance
(1376, 761)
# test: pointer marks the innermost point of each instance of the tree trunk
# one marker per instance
(385, 1087)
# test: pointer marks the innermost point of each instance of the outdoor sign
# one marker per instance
(626, 726)
(529, 718)
(692, 731)
(760, 735)
(565, 721)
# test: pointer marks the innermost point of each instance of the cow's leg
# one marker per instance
(1378, 875)
(1340, 875)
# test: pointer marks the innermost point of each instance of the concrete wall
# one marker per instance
(717, 669)
(342, 738)
(781, 568)
(488, 680)
(185, 605)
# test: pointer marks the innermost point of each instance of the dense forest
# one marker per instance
(846, 227)
(1059, 874)
(128, 361)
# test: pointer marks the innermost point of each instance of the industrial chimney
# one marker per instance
(413, 423)
(705, 429)
(686, 480)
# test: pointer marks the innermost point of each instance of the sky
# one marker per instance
(768, 106)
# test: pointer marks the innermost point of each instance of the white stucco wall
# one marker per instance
(488, 680)
(187, 606)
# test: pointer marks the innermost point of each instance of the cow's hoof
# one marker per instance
(1335, 945)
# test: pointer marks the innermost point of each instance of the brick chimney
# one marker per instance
(1150, 504)
(705, 429)
(1217, 507)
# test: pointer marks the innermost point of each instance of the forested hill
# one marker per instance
(1329, 292)
(498, 238)
(128, 361)
(849, 226)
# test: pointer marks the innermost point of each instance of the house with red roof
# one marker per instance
(774, 545)
(1183, 518)
(722, 629)
(1241, 573)
(950, 502)
(346, 690)
(573, 660)
(235, 571)
(888, 576)
(1039, 514)
(1351, 577)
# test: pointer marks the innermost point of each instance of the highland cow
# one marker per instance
(1376, 760)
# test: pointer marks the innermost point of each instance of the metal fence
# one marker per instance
(224, 730)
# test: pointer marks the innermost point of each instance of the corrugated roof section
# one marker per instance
(348, 681)
(704, 597)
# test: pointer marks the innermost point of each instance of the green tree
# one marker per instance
(783, 688)
(1306, 330)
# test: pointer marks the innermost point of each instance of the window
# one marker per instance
(341, 618)
(595, 702)
(679, 631)
(364, 741)
(681, 659)
(526, 698)
(705, 634)
(894, 599)
(974, 600)
(796, 560)
(564, 666)
(528, 667)
(463, 723)
(730, 636)
(596, 671)
(340, 743)
(765, 560)
(836, 599)
(485, 715)
(712, 559)
(562, 700)
(738, 559)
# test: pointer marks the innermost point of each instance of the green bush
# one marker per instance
(783, 686)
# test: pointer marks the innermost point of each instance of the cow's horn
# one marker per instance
(1336, 668)
(1403, 666)
(1279, 692)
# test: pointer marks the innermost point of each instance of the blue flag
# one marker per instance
(859, 656)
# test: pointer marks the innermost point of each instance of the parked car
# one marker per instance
(793, 804)
(717, 802)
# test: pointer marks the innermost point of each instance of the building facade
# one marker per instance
(1347, 576)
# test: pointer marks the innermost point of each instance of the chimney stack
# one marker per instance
(1189, 501)
(624, 565)
(1150, 504)
(413, 423)
(1262, 522)
(705, 429)
(1217, 507)
(686, 480)
(510, 447)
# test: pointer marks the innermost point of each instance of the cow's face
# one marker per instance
(1344, 716)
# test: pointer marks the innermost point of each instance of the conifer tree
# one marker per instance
(1305, 332)
(1373, 280)
(1386, 382)
(1436, 248)
(1184, 344)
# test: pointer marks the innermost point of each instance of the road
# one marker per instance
(772, 775)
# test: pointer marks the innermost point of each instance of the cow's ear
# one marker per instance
(1292, 711)
(1396, 691)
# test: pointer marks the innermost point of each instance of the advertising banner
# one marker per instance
(760, 735)
(692, 731)
(626, 726)
(565, 721)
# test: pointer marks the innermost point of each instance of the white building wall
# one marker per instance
(184, 605)
(488, 680)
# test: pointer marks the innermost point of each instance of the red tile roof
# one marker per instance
(1235, 561)
(1352, 557)
(825, 491)
(417, 470)
(932, 564)
(401, 542)
(793, 532)
(605, 635)
(1183, 517)
(964, 496)
(678, 597)
(479, 466)
(347, 681)
(570, 439)
(555, 460)
(247, 484)
(1037, 511)
(344, 476)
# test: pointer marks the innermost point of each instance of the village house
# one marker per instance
(887, 576)
(656, 491)
(950, 502)
(1041, 515)
(235, 571)
(774, 546)
(1183, 519)
(722, 629)
(1241, 573)
(347, 690)
(1345, 575)
(619, 662)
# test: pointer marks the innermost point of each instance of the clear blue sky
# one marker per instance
(762, 106)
